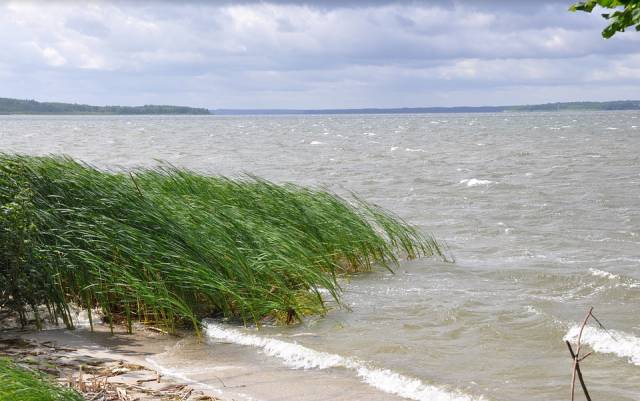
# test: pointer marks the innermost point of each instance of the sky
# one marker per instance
(312, 54)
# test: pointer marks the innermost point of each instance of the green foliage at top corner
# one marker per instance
(626, 14)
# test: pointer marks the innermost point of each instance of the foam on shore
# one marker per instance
(300, 357)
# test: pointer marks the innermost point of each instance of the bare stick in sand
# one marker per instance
(584, 386)
(577, 359)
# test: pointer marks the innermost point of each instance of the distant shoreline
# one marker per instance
(9, 106)
(617, 105)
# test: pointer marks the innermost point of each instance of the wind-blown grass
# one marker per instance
(171, 246)
(20, 384)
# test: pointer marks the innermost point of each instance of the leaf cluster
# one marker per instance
(620, 19)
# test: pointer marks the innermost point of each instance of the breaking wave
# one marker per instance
(300, 357)
(619, 343)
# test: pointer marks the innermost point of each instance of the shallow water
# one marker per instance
(541, 210)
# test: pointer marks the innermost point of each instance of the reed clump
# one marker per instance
(21, 384)
(171, 246)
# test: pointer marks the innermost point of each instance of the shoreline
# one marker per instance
(100, 365)
(190, 369)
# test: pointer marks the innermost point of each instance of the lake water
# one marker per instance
(540, 210)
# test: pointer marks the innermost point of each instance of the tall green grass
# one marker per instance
(171, 246)
(20, 384)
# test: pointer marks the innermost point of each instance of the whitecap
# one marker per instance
(414, 150)
(619, 281)
(393, 148)
(619, 343)
(533, 310)
(602, 273)
(474, 182)
(316, 143)
(300, 357)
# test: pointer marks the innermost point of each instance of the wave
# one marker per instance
(619, 281)
(619, 343)
(300, 357)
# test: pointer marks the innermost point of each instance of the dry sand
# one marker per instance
(103, 367)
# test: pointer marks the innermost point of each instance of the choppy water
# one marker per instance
(541, 210)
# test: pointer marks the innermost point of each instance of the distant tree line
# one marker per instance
(568, 106)
(593, 106)
(18, 106)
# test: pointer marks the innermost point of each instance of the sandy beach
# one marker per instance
(149, 365)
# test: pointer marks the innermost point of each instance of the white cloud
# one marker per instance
(304, 55)
(51, 56)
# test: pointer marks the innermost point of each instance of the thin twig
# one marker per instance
(604, 328)
(585, 356)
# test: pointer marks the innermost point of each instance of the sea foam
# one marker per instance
(300, 357)
(621, 344)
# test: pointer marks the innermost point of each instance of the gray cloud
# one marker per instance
(312, 54)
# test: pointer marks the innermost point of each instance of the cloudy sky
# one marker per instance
(312, 54)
